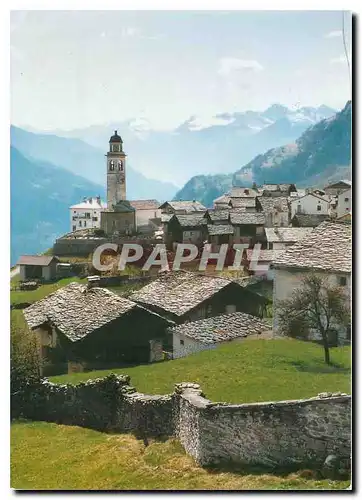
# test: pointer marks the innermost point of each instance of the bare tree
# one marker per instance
(314, 306)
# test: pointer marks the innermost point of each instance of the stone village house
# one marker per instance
(205, 334)
(327, 252)
(182, 296)
(93, 328)
(190, 228)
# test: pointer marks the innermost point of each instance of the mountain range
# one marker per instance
(320, 155)
(52, 170)
(223, 143)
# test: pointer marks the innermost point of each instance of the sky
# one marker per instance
(73, 69)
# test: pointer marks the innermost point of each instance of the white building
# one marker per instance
(309, 204)
(344, 203)
(87, 214)
(209, 333)
(146, 210)
(327, 252)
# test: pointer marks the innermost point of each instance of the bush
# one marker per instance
(25, 366)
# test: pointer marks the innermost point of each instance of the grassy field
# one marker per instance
(48, 456)
(30, 296)
(252, 370)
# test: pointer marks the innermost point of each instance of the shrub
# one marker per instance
(25, 366)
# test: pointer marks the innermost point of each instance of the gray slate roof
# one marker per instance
(328, 247)
(145, 204)
(77, 311)
(191, 220)
(242, 202)
(224, 199)
(222, 328)
(262, 255)
(242, 192)
(188, 206)
(179, 291)
(238, 217)
(218, 215)
(286, 234)
(36, 260)
(309, 220)
(220, 229)
(269, 204)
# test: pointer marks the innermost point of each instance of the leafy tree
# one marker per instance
(315, 305)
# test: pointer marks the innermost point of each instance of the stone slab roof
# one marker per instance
(123, 206)
(224, 199)
(191, 220)
(262, 255)
(309, 220)
(78, 311)
(242, 192)
(36, 260)
(242, 202)
(327, 247)
(238, 217)
(145, 204)
(222, 328)
(188, 206)
(286, 234)
(179, 291)
(218, 214)
(166, 217)
(220, 229)
(270, 204)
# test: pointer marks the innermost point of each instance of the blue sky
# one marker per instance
(73, 69)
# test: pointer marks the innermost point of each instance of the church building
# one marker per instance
(120, 217)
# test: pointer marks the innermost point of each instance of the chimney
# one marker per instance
(98, 199)
(93, 281)
(90, 200)
(84, 199)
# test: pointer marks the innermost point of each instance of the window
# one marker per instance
(182, 342)
(319, 208)
(74, 228)
(95, 219)
(74, 218)
(230, 309)
(346, 199)
(299, 208)
(342, 281)
(80, 223)
(87, 215)
(74, 212)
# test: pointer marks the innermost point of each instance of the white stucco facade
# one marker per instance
(344, 205)
(287, 280)
(184, 346)
(143, 216)
(309, 204)
(87, 214)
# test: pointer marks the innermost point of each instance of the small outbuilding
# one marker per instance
(209, 333)
(42, 267)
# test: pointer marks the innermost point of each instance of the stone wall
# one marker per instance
(285, 433)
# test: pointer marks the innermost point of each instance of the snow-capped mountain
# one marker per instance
(201, 144)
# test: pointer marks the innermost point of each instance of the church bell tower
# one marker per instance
(116, 171)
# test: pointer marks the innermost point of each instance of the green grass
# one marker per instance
(46, 456)
(30, 296)
(252, 370)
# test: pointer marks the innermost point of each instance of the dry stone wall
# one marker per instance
(286, 433)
